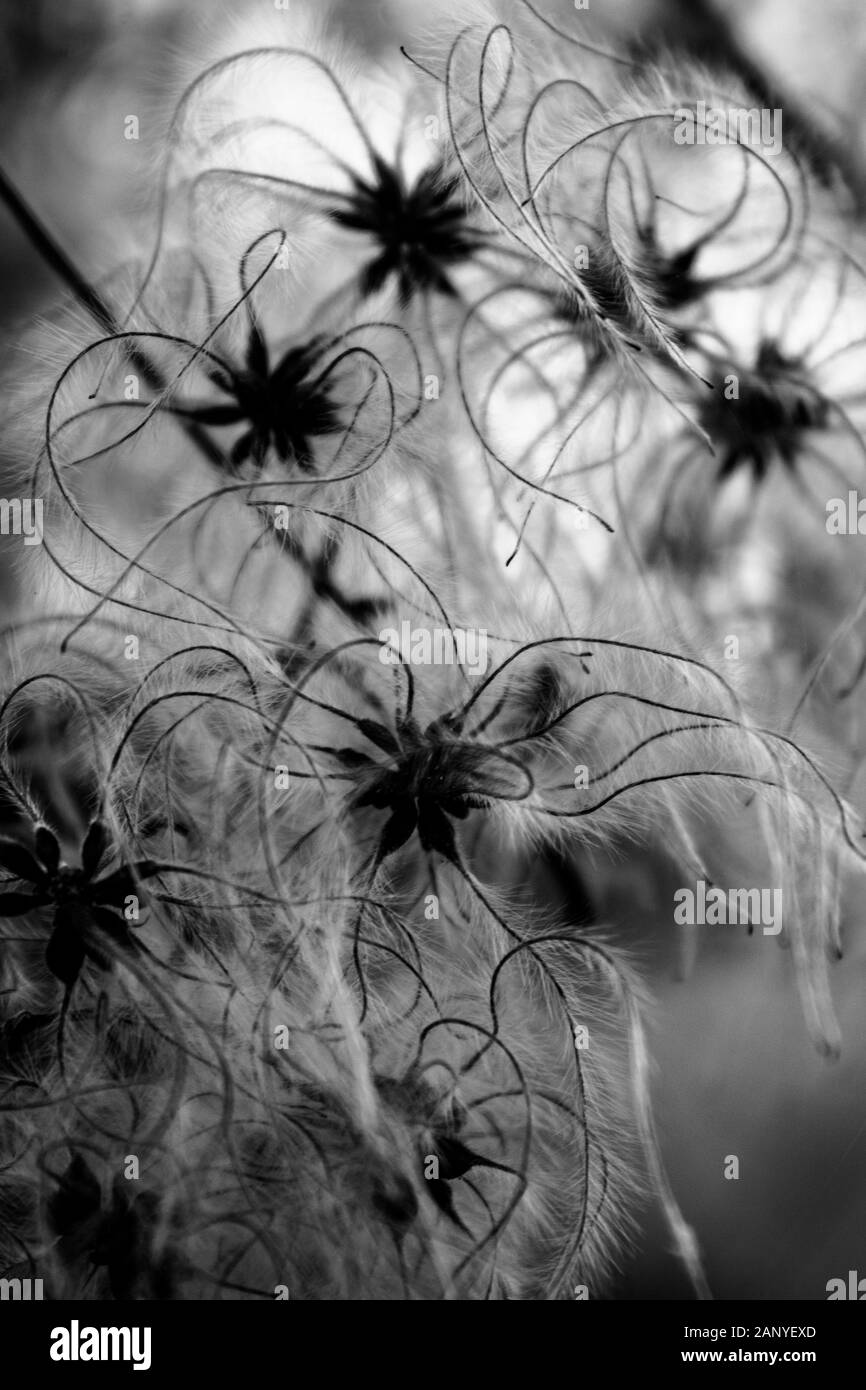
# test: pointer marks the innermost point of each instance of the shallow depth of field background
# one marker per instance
(736, 1073)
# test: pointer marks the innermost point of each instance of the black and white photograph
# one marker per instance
(432, 668)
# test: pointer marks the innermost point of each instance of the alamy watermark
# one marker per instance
(846, 517)
(713, 907)
(76, 1343)
(21, 1290)
(852, 1290)
(732, 125)
(22, 516)
(438, 646)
